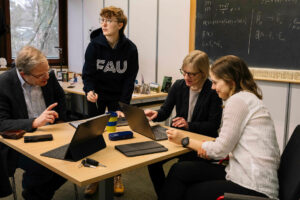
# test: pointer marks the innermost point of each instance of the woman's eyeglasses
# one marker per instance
(190, 74)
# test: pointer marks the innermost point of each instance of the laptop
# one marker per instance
(86, 140)
(76, 123)
(139, 123)
(120, 122)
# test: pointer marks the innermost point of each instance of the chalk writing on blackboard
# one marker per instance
(265, 33)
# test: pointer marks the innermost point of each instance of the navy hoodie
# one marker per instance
(110, 72)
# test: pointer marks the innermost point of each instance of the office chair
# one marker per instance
(288, 173)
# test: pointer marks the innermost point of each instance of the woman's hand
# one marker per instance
(175, 136)
(201, 152)
(151, 114)
(180, 122)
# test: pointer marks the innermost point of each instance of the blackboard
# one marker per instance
(265, 33)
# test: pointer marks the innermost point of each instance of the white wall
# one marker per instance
(294, 117)
(142, 32)
(91, 13)
(75, 36)
(173, 38)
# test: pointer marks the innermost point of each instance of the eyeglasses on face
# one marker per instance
(107, 21)
(190, 74)
(40, 76)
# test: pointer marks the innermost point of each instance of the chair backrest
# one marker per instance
(289, 169)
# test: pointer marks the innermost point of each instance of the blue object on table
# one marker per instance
(120, 135)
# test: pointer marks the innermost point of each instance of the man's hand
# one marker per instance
(151, 114)
(48, 116)
(92, 96)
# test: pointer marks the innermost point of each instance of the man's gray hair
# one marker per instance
(28, 57)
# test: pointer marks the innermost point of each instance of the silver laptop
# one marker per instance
(139, 123)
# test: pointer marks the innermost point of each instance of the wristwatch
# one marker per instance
(185, 141)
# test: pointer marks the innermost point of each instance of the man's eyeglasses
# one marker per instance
(44, 75)
(107, 21)
(190, 74)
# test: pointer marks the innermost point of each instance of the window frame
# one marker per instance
(63, 34)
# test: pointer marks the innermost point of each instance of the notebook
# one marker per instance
(139, 123)
(140, 148)
(86, 140)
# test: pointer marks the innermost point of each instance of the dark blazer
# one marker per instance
(14, 114)
(207, 113)
(13, 109)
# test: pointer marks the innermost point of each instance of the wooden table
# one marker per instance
(136, 98)
(115, 161)
(152, 100)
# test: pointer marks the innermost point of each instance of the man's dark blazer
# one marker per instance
(14, 114)
(13, 109)
(207, 113)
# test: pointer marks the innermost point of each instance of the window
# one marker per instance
(39, 23)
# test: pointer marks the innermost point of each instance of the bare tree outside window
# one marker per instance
(35, 23)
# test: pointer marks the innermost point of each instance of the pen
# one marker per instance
(96, 99)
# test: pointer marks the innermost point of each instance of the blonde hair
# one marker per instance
(28, 57)
(113, 11)
(198, 60)
(233, 69)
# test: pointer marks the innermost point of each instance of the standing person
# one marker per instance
(31, 97)
(109, 71)
(247, 135)
(198, 107)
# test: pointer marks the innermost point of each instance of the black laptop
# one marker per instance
(120, 122)
(139, 123)
(86, 140)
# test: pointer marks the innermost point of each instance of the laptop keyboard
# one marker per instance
(58, 152)
(122, 121)
(159, 132)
